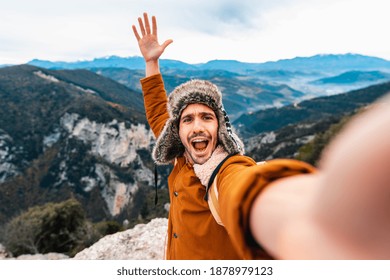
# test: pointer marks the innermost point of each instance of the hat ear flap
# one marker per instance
(227, 137)
(168, 145)
(176, 147)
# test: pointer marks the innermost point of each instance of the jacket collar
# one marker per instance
(204, 171)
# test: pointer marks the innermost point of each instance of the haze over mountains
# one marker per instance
(77, 129)
(330, 63)
(261, 85)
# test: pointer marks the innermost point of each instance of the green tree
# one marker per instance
(53, 227)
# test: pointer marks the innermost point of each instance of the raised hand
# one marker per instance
(151, 50)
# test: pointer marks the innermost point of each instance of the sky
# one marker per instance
(202, 30)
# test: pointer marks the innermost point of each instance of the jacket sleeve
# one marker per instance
(155, 100)
(238, 186)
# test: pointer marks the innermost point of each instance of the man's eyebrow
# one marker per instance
(186, 115)
(212, 114)
(202, 113)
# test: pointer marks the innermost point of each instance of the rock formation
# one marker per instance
(143, 242)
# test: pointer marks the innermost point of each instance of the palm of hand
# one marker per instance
(150, 48)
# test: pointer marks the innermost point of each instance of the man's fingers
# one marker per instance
(136, 33)
(166, 43)
(145, 29)
(147, 25)
(141, 26)
(154, 25)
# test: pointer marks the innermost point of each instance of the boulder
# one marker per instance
(143, 242)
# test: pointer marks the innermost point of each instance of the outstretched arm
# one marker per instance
(148, 43)
(155, 97)
(341, 212)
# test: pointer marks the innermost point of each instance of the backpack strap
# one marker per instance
(214, 175)
(211, 195)
(213, 202)
(212, 192)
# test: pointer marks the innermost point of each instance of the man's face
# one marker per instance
(198, 131)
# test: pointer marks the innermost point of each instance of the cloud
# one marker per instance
(218, 17)
(247, 30)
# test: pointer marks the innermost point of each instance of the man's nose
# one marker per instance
(198, 126)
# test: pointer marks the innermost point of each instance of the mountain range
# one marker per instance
(250, 86)
(79, 129)
(282, 132)
(330, 63)
(72, 134)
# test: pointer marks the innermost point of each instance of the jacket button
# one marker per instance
(175, 235)
(176, 194)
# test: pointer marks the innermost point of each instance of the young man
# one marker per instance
(225, 206)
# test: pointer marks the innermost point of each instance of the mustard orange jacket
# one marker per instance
(193, 232)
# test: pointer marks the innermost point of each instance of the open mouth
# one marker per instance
(200, 144)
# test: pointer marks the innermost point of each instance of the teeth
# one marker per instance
(198, 140)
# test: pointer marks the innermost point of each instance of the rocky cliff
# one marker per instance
(73, 134)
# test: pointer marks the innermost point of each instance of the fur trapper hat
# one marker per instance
(168, 145)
